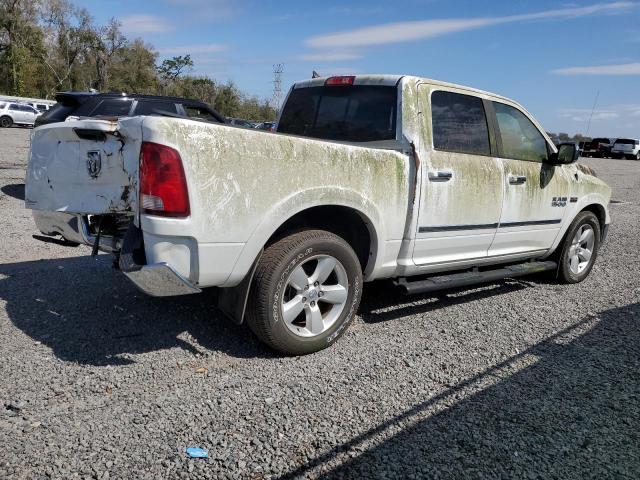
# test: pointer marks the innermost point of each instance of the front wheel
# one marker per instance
(6, 122)
(305, 292)
(580, 248)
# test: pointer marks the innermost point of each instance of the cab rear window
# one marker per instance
(355, 113)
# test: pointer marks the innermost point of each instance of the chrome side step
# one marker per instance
(473, 277)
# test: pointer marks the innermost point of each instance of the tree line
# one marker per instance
(48, 46)
(564, 137)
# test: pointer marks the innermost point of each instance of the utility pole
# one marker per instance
(278, 68)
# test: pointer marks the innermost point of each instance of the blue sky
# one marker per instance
(553, 57)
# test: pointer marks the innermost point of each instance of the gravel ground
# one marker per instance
(517, 379)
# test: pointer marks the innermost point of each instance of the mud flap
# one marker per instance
(233, 301)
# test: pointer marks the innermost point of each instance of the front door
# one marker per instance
(536, 193)
(461, 187)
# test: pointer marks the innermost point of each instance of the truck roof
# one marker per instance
(391, 80)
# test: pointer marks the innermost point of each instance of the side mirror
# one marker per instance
(567, 153)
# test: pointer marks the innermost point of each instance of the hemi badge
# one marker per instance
(573, 199)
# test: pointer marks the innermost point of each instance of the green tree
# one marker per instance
(172, 68)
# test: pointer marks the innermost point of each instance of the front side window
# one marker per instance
(193, 111)
(112, 108)
(459, 123)
(521, 140)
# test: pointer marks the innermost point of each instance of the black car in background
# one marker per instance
(598, 148)
(87, 104)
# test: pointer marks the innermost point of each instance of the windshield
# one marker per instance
(626, 141)
(357, 113)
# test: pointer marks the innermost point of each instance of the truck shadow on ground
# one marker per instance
(570, 410)
(86, 312)
(382, 301)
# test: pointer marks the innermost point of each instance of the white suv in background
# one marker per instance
(626, 148)
(17, 113)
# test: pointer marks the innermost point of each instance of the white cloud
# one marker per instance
(330, 57)
(418, 30)
(206, 10)
(140, 23)
(619, 69)
(194, 49)
(602, 113)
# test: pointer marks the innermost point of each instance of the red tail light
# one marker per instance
(163, 186)
(343, 80)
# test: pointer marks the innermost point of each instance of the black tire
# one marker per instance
(264, 313)
(565, 275)
(6, 122)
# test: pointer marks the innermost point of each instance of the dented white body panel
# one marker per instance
(244, 184)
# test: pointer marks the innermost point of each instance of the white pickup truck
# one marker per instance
(369, 177)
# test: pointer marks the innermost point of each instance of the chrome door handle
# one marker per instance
(441, 175)
(517, 179)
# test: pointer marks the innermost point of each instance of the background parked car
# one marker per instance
(239, 122)
(41, 107)
(269, 126)
(598, 147)
(85, 104)
(17, 113)
(627, 148)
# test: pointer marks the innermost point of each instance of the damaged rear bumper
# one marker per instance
(73, 228)
(156, 279)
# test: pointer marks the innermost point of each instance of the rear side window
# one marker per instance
(459, 123)
(13, 106)
(112, 108)
(145, 107)
(356, 113)
(521, 140)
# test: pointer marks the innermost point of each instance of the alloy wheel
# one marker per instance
(581, 249)
(314, 296)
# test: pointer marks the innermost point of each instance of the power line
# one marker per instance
(278, 68)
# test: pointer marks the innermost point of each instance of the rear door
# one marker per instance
(535, 193)
(461, 192)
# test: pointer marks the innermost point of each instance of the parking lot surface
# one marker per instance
(516, 379)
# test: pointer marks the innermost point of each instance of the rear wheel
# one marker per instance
(6, 122)
(305, 292)
(580, 248)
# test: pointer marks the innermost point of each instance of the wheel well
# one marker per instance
(345, 222)
(599, 212)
